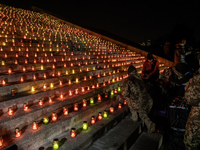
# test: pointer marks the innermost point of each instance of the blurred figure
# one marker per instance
(139, 101)
(150, 70)
(192, 97)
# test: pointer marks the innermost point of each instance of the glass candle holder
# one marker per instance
(85, 125)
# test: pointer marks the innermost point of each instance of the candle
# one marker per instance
(99, 98)
(54, 116)
(65, 111)
(25, 107)
(84, 103)
(111, 109)
(9, 70)
(73, 132)
(119, 105)
(41, 102)
(105, 114)
(34, 125)
(10, 111)
(115, 91)
(91, 100)
(70, 93)
(85, 125)
(92, 121)
(85, 78)
(69, 82)
(61, 96)
(125, 102)
(55, 144)
(76, 91)
(1, 141)
(76, 107)
(106, 95)
(17, 132)
(45, 120)
(99, 116)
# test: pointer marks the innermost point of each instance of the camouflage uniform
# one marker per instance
(192, 132)
(138, 99)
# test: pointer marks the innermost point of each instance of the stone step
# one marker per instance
(120, 137)
(148, 141)
(85, 138)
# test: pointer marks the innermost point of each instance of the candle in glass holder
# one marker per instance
(45, 120)
(105, 114)
(73, 132)
(61, 96)
(76, 107)
(111, 109)
(34, 125)
(120, 105)
(9, 70)
(99, 98)
(65, 111)
(76, 91)
(125, 102)
(60, 83)
(77, 80)
(92, 121)
(50, 100)
(53, 66)
(1, 141)
(85, 125)
(84, 103)
(70, 93)
(99, 116)
(69, 82)
(17, 132)
(10, 111)
(82, 89)
(41, 102)
(115, 91)
(55, 144)
(119, 89)
(54, 116)
(44, 86)
(91, 100)
(85, 78)
(25, 107)
(51, 85)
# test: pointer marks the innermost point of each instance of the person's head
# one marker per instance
(131, 69)
(149, 57)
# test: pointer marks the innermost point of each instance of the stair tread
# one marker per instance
(117, 136)
(148, 141)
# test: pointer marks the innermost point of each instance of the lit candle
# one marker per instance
(115, 91)
(105, 114)
(59, 73)
(111, 109)
(65, 111)
(125, 102)
(91, 100)
(82, 89)
(76, 80)
(120, 105)
(106, 95)
(51, 85)
(85, 125)
(45, 120)
(76, 107)
(61, 96)
(111, 93)
(69, 82)
(99, 116)
(17, 132)
(55, 144)
(93, 86)
(9, 70)
(84, 103)
(44, 76)
(1, 141)
(70, 93)
(54, 116)
(99, 98)
(88, 88)
(92, 121)
(73, 132)
(104, 84)
(34, 125)
(32, 68)
(119, 89)
(44, 86)
(42, 67)
(50, 100)
(53, 66)
(41, 102)
(85, 78)
(76, 91)
(73, 71)
(10, 111)
(25, 107)
(60, 83)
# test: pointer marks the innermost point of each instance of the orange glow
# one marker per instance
(76, 91)
(93, 86)
(34, 125)
(85, 78)
(69, 82)
(34, 77)
(125, 102)
(70, 93)
(99, 98)
(111, 109)
(65, 111)
(92, 121)
(25, 107)
(9, 71)
(41, 102)
(16, 62)
(65, 65)
(50, 100)
(17, 132)
(100, 116)
(104, 84)
(82, 89)
(35, 61)
(76, 107)
(1, 141)
(119, 105)
(54, 116)
(3, 82)
(61, 96)
(106, 95)
(73, 132)
(10, 111)
(44, 86)
(98, 75)
(24, 69)
(5, 55)
(60, 83)
(90, 77)
(53, 66)
(115, 91)
(32, 68)
(84, 103)
(59, 73)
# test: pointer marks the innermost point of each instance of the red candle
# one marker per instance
(24, 69)
(69, 82)
(76, 107)
(125, 102)
(45, 76)
(99, 98)
(111, 109)
(9, 71)
(17, 132)
(10, 111)
(32, 68)
(76, 91)
(104, 84)
(85, 78)
(25, 107)
(115, 91)
(106, 95)
(70, 93)
(84, 103)
(61, 96)
(54, 116)
(50, 100)
(100, 116)
(41, 102)
(119, 105)
(92, 121)
(34, 125)
(60, 83)
(65, 111)
(73, 132)
(1, 141)
(82, 89)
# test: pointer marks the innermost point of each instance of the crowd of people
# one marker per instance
(182, 79)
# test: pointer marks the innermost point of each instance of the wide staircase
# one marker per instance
(59, 84)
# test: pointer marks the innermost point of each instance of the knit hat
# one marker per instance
(131, 68)
(149, 56)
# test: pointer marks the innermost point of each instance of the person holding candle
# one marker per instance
(137, 97)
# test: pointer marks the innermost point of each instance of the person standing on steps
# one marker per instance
(139, 101)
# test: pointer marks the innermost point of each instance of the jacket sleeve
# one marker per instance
(126, 90)
(155, 69)
(192, 94)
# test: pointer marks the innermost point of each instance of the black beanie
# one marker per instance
(131, 68)
(149, 56)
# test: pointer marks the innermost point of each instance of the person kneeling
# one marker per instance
(139, 101)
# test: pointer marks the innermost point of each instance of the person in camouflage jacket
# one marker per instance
(192, 97)
(139, 101)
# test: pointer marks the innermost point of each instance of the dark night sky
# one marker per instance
(133, 20)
